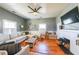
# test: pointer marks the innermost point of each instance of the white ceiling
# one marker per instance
(47, 10)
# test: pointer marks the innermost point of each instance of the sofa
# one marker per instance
(14, 49)
(10, 47)
(10, 44)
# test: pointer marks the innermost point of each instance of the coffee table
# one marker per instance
(31, 42)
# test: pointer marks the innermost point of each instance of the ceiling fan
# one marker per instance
(35, 11)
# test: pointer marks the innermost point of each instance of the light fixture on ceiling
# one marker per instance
(35, 13)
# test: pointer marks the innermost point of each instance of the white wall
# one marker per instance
(70, 34)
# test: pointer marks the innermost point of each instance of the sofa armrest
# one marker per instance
(23, 51)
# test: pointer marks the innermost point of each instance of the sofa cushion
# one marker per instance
(4, 37)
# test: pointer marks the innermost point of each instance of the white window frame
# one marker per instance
(42, 26)
(9, 27)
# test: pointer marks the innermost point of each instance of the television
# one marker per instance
(71, 17)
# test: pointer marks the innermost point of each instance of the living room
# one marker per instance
(26, 26)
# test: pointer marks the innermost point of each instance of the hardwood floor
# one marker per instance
(46, 47)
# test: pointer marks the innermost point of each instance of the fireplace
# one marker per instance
(65, 42)
(65, 45)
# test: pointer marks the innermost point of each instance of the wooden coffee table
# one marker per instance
(31, 42)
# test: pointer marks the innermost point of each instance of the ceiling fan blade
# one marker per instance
(31, 9)
(38, 8)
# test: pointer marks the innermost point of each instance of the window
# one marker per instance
(9, 27)
(42, 26)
